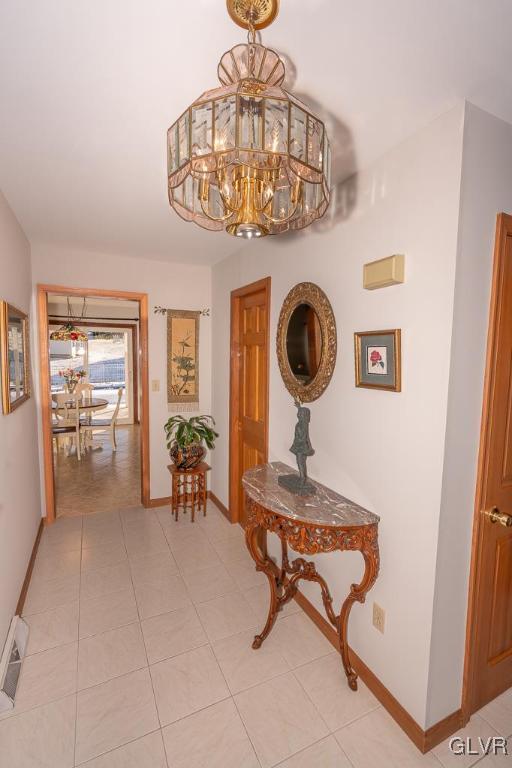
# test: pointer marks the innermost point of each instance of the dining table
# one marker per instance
(86, 404)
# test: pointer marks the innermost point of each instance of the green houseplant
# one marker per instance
(186, 439)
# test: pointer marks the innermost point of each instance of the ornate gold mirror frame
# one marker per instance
(308, 293)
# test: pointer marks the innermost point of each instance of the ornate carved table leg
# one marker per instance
(370, 553)
(284, 562)
(262, 564)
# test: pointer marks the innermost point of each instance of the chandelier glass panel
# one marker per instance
(248, 157)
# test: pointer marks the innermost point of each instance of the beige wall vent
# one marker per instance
(384, 272)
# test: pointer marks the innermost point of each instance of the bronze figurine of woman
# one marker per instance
(301, 448)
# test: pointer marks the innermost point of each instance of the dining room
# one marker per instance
(94, 390)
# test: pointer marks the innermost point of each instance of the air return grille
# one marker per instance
(10, 665)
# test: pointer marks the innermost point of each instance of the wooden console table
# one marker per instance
(188, 489)
(322, 522)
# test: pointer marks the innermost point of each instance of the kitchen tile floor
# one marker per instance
(140, 657)
(104, 479)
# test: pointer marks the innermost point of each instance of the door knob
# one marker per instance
(495, 516)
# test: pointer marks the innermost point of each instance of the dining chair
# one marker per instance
(67, 424)
(84, 388)
(100, 424)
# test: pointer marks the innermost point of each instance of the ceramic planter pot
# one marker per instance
(187, 457)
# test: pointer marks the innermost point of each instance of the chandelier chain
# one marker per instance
(251, 34)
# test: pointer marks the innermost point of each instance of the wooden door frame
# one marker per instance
(134, 328)
(234, 394)
(44, 367)
(503, 224)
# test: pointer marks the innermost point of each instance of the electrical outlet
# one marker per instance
(379, 617)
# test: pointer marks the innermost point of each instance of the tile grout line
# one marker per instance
(78, 690)
(125, 674)
(201, 709)
(78, 642)
(145, 648)
(292, 670)
(45, 703)
(311, 700)
(231, 695)
(490, 724)
(196, 711)
(46, 610)
(244, 725)
(304, 749)
(341, 727)
(114, 749)
(196, 603)
(349, 722)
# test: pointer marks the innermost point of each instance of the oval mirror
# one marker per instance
(306, 342)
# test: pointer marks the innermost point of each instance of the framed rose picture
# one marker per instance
(378, 359)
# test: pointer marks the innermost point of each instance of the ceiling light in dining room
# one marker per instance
(70, 331)
(249, 157)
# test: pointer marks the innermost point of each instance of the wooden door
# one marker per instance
(491, 617)
(250, 309)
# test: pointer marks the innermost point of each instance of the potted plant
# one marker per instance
(186, 439)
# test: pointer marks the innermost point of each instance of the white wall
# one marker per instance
(382, 449)
(486, 191)
(20, 510)
(176, 286)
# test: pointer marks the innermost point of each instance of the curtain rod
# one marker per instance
(85, 319)
(162, 311)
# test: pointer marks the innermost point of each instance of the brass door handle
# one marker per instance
(495, 516)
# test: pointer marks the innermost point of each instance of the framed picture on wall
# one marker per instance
(14, 357)
(378, 359)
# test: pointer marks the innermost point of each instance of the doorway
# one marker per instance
(249, 385)
(109, 358)
(112, 358)
(489, 634)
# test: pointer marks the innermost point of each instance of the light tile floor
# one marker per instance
(140, 657)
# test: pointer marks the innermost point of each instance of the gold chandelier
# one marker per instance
(248, 157)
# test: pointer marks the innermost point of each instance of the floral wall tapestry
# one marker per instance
(183, 360)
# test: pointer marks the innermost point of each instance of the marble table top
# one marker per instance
(325, 507)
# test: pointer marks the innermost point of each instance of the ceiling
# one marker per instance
(89, 87)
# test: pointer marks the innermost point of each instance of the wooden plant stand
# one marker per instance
(188, 489)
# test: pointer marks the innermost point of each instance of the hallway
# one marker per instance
(140, 657)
